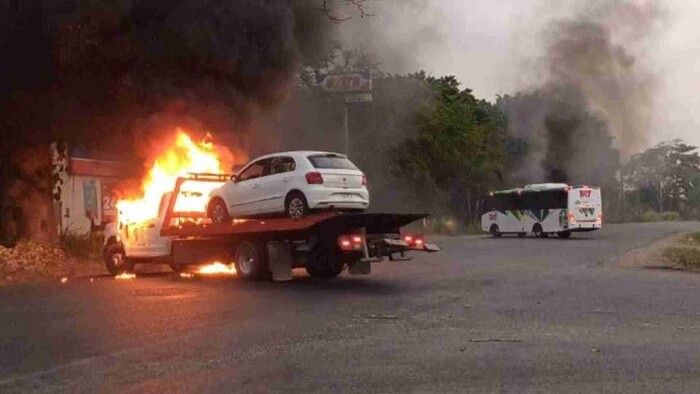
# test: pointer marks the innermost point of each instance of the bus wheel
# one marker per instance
(539, 233)
(495, 231)
(564, 234)
(522, 235)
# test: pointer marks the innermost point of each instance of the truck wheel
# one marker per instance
(218, 213)
(325, 262)
(116, 261)
(251, 261)
(495, 231)
(295, 205)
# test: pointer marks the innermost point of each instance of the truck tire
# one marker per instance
(324, 261)
(251, 260)
(116, 261)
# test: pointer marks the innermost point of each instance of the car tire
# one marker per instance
(295, 205)
(116, 261)
(495, 231)
(538, 231)
(251, 260)
(564, 234)
(218, 213)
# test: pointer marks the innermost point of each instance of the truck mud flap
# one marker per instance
(360, 267)
(280, 260)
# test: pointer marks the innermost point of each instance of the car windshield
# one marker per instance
(332, 161)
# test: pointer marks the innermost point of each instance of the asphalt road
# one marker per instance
(506, 315)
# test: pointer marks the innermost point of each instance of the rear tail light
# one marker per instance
(414, 241)
(364, 180)
(350, 243)
(314, 178)
(572, 217)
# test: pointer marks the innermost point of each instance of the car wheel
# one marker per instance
(495, 231)
(218, 213)
(251, 261)
(116, 261)
(295, 205)
(564, 234)
(537, 230)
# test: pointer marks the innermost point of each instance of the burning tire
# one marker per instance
(116, 261)
(295, 205)
(218, 213)
(251, 260)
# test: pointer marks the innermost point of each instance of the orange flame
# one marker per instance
(217, 268)
(180, 159)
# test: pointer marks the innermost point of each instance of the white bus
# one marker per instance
(543, 209)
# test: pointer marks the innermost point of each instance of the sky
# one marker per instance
(494, 46)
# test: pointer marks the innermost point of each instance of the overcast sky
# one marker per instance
(493, 47)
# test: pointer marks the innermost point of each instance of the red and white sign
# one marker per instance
(346, 83)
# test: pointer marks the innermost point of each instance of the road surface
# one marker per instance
(513, 315)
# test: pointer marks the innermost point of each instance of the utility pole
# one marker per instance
(346, 129)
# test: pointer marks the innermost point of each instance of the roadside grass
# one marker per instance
(685, 254)
(82, 245)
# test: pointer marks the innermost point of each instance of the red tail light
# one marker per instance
(351, 242)
(414, 241)
(364, 180)
(314, 178)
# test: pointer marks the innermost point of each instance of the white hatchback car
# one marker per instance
(292, 183)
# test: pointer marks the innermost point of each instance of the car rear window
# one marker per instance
(332, 162)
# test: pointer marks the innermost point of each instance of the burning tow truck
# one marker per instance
(180, 234)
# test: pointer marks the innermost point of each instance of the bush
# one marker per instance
(653, 216)
(688, 258)
(670, 216)
(84, 245)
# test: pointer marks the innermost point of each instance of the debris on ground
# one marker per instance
(482, 340)
(381, 317)
(32, 261)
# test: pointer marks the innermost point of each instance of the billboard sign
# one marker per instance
(353, 82)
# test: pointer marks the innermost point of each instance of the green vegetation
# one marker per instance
(686, 254)
(82, 245)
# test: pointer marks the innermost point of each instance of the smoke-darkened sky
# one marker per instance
(496, 47)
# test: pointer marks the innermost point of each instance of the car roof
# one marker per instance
(297, 153)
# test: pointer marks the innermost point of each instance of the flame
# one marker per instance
(125, 276)
(179, 159)
(217, 268)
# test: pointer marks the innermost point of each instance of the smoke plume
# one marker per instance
(596, 97)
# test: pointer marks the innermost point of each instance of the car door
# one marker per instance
(244, 195)
(156, 245)
(275, 186)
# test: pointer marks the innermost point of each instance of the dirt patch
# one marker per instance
(670, 253)
(34, 261)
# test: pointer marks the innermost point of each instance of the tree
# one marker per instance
(665, 176)
(459, 146)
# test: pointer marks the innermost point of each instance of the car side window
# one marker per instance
(282, 164)
(255, 170)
